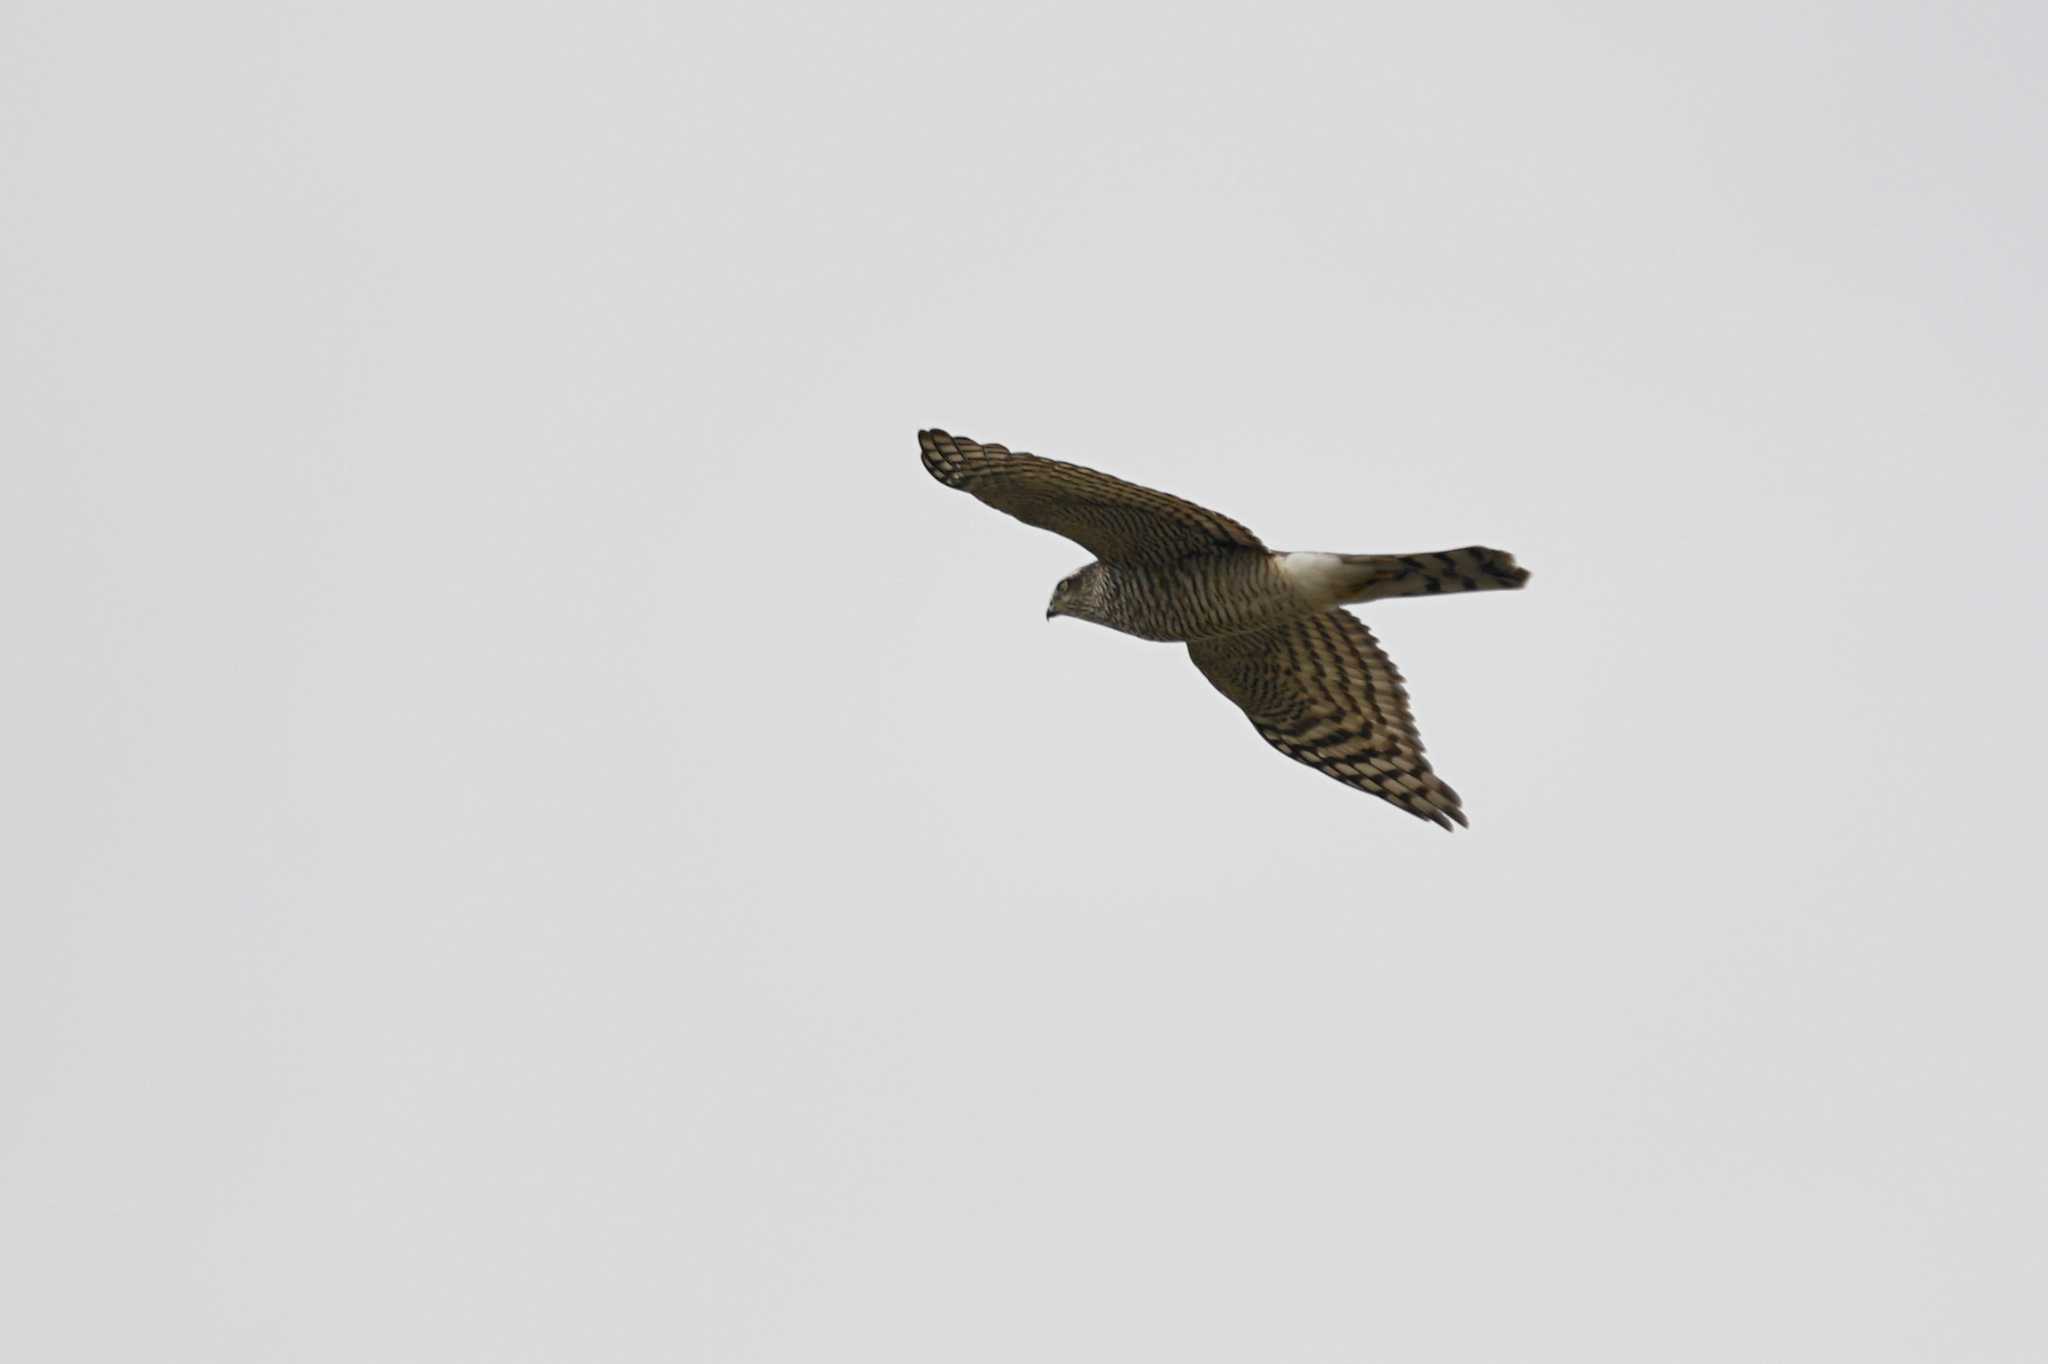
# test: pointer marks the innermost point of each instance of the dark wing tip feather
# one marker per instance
(955, 460)
(941, 454)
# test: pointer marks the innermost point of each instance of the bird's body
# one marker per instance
(1200, 597)
(1267, 629)
(1230, 591)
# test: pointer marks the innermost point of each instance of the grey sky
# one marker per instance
(539, 833)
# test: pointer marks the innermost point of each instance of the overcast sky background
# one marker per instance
(537, 832)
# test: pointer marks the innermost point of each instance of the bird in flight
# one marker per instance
(1267, 629)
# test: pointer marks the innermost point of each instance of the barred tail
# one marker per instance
(1472, 569)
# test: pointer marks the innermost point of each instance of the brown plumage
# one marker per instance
(1267, 629)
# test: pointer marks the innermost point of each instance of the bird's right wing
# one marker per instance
(1117, 521)
(1322, 691)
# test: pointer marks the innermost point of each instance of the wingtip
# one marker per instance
(940, 454)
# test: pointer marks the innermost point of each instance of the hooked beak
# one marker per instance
(1051, 611)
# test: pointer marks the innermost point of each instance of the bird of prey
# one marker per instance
(1267, 629)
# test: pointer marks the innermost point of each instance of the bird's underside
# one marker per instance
(1268, 630)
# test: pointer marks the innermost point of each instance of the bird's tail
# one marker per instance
(1371, 577)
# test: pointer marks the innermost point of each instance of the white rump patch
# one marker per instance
(1318, 577)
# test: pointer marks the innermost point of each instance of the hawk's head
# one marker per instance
(1078, 594)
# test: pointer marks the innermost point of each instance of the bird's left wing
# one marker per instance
(1322, 691)
(1117, 521)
